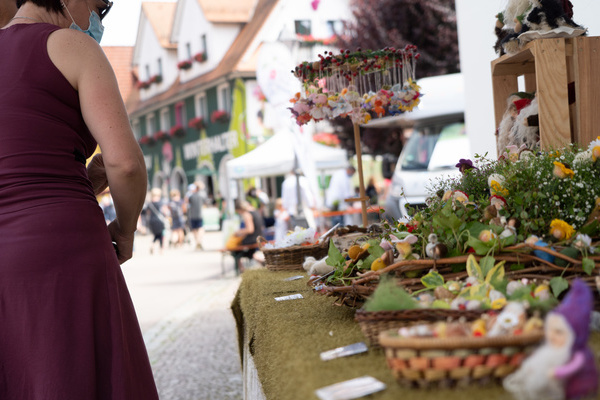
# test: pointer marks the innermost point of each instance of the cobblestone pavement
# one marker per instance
(183, 304)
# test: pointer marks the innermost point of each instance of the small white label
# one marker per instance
(352, 389)
(293, 278)
(290, 297)
(345, 351)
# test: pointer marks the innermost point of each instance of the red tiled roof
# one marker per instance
(228, 11)
(120, 58)
(230, 63)
(161, 17)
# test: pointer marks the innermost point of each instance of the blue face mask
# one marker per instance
(95, 30)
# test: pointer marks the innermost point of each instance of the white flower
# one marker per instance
(582, 157)
(507, 320)
(583, 242)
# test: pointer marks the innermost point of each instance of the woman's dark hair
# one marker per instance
(50, 5)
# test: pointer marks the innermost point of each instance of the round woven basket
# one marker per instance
(291, 258)
(445, 362)
(372, 323)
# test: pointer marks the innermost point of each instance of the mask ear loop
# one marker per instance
(68, 12)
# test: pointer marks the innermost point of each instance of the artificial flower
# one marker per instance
(513, 152)
(594, 147)
(562, 171)
(561, 230)
(460, 196)
(340, 107)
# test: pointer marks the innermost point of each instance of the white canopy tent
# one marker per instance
(276, 157)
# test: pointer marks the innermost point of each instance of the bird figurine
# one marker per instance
(434, 249)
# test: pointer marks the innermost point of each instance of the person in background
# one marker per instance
(108, 208)
(157, 213)
(69, 328)
(193, 207)
(251, 228)
(282, 220)
(177, 218)
(289, 197)
(8, 9)
(372, 191)
(340, 189)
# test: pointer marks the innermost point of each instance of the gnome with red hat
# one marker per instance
(564, 367)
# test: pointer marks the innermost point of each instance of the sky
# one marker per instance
(121, 23)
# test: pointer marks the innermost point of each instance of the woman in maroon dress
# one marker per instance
(68, 329)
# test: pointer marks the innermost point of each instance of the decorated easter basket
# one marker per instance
(372, 323)
(446, 362)
(291, 258)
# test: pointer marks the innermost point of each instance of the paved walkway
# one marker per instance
(183, 305)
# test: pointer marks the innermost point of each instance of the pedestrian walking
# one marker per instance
(193, 207)
(69, 328)
(177, 218)
(251, 228)
(156, 212)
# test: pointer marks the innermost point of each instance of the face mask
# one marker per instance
(95, 29)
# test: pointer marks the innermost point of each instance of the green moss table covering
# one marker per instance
(287, 338)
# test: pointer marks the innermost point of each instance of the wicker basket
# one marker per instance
(445, 362)
(372, 323)
(291, 258)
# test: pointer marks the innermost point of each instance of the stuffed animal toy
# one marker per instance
(515, 128)
(525, 20)
(317, 267)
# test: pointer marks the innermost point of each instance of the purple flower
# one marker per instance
(465, 165)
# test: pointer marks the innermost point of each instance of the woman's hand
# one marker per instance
(124, 241)
(97, 174)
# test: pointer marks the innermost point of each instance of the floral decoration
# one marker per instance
(147, 140)
(562, 171)
(360, 85)
(185, 64)
(177, 130)
(200, 57)
(594, 148)
(156, 79)
(161, 135)
(561, 230)
(311, 40)
(196, 123)
(220, 116)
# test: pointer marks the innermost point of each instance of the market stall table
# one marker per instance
(285, 340)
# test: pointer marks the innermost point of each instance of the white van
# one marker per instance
(437, 142)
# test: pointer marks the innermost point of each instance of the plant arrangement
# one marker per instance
(200, 57)
(143, 84)
(177, 131)
(311, 40)
(156, 79)
(185, 64)
(538, 211)
(196, 123)
(220, 116)
(161, 135)
(147, 140)
(361, 85)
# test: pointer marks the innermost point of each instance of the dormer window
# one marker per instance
(303, 27)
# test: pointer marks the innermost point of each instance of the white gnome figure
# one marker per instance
(564, 366)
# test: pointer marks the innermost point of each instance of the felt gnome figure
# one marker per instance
(564, 366)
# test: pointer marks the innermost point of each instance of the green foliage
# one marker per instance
(558, 285)
(389, 297)
(588, 265)
(432, 280)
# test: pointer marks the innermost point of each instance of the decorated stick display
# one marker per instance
(361, 85)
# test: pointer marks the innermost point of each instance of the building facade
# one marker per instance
(196, 103)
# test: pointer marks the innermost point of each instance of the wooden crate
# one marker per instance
(556, 69)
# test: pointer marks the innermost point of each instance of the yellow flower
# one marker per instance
(498, 303)
(561, 171)
(496, 182)
(595, 149)
(561, 230)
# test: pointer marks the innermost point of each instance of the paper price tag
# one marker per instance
(293, 278)
(345, 351)
(290, 297)
(352, 389)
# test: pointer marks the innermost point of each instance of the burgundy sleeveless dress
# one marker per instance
(68, 329)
